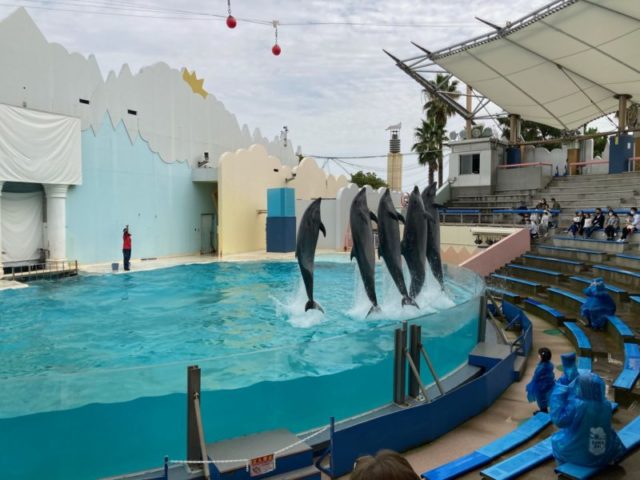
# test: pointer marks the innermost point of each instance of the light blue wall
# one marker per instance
(124, 183)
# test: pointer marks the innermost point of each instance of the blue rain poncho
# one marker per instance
(570, 371)
(583, 416)
(599, 304)
(540, 386)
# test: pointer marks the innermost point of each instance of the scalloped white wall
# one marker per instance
(177, 124)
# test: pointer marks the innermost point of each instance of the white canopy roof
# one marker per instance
(561, 65)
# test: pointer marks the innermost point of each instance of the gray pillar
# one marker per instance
(622, 110)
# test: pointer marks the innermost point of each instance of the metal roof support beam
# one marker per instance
(622, 111)
(518, 88)
(430, 87)
(563, 70)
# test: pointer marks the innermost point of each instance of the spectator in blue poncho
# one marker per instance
(599, 304)
(543, 381)
(583, 416)
(569, 369)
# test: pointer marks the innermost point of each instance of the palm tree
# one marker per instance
(426, 146)
(438, 111)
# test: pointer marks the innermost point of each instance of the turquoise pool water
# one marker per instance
(94, 367)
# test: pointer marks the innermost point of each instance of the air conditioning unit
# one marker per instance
(453, 135)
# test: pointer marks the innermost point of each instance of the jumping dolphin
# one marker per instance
(363, 248)
(389, 244)
(433, 233)
(414, 242)
(308, 232)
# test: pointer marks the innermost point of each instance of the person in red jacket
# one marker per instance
(126, 247)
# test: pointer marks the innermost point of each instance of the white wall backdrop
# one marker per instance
(178, 124)
(22, 231)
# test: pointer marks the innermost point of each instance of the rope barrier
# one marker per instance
(246, 461)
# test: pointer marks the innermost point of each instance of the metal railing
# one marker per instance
(46, 270)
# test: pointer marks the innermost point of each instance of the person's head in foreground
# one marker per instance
(386, 465)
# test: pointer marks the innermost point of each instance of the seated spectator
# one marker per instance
(555, 214)
(583, 416)
(578, 222)
(545, 222)
(386, 465)
(613, 225)
(544, 204)
(522, 206)
(598, 305)
(555, 205)
(633, 224)
(534, 229)
(588, 221)
(597, 224)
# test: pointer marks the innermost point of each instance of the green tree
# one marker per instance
(599, 143)
(361, 179)
(533, 131)
(426, 146)
(439, 112)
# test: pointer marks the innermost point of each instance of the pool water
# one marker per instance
(94, 367)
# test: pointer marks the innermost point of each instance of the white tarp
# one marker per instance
(22, 236)
(560, 66)
(38, 147)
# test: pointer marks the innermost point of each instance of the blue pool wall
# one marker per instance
(412, 427)
(124, 182)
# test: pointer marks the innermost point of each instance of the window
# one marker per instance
(470, 164)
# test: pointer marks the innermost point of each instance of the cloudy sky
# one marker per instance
(332, 85)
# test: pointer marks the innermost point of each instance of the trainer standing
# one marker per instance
(126, 247)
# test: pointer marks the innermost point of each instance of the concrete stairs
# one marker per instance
(607, 349)
(572, 192)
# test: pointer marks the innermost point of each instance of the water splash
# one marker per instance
(292, 309)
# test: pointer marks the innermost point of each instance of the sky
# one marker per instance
(332, 86)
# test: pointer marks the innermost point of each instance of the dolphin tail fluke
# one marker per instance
(407, 300)
(311, 305)
(373, 309)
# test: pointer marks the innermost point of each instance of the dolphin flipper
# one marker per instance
(323, 230)
(311, 305)
(373, 217)
(353, 253)
(400, 218)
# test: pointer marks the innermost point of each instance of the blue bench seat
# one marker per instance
(563, 264)
(526, 460)
(512, 296)
(622, 329)
(587, 240)
(627, 379)
(573, 253)
(635, 303)
(520, 463)
(528, 286)
(566, 298)
(580, 338)
(618, 294)
(616, 274)
(489, 452)
(537, 273)
(545, 311)
(630, 438)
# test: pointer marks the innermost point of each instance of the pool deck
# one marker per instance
(140, 265)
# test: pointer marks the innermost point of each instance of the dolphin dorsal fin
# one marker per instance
(323, 230)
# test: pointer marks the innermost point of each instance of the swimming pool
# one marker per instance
(94, 367)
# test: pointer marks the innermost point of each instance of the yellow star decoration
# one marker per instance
(194, 83)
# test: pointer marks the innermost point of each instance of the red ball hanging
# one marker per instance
(276, 50)
(231, 21)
